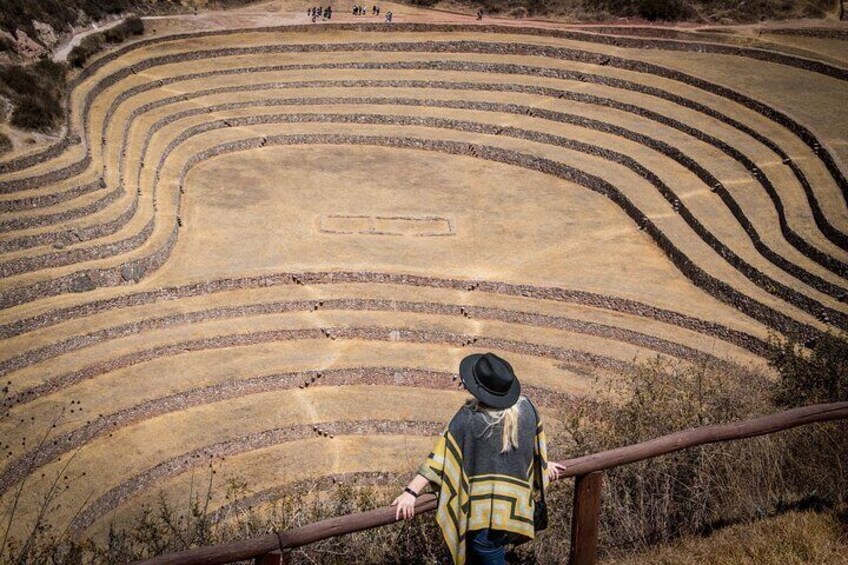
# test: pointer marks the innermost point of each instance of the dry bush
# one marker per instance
(662, 498)
(167, 528)
(700, 489)
(817, 455)
(812, 376)
(5, 143)
(36, 92)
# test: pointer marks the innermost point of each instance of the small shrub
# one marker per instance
(5, 143)
(6, 45)
(818, 377)
(536, 7)
(52, 72)
(36, 114)
(114, 34)
(668, 10)
(131, 26)
(76, 58)
(95, 42)
(815, 376)
(134, 25)
(89, 45)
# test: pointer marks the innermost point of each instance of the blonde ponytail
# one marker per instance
(508, 417)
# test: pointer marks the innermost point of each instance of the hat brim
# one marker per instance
(466, 373)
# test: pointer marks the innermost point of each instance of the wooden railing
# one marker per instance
(274, 548)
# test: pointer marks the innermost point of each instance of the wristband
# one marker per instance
(410, 491)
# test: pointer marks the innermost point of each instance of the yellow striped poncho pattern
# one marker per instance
(468, 501)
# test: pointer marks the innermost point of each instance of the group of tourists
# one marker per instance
(375, 11)
(318, 12)
(327, 13)
(361, 11)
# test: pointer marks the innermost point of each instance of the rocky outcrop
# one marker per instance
(27, 47)
(46, 34)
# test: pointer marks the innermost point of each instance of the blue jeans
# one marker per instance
(486, 547)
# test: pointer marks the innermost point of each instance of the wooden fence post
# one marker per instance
(584, 521)
(274, 558)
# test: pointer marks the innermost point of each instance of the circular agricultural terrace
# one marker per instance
(267, 248)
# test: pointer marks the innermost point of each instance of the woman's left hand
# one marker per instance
(555, 470)
(405, 506)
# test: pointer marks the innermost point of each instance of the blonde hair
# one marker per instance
(508, 417)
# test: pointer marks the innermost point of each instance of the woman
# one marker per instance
(484, 466)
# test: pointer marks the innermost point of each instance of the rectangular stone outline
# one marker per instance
(451, 225)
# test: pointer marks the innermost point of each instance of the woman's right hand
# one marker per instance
(405, 506)
(555, 470)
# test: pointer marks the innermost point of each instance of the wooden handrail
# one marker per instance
(707, 434)
(579, 466)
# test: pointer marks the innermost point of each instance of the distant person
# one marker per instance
(480, 14)
(378, 10)
(486, 466)
(389, 17)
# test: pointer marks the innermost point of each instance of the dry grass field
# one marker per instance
(798, 538)
(265, 244)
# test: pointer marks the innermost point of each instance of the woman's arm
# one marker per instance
(552, 469)
(406, 501)
(430, 471)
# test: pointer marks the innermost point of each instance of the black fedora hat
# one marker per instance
(490, 379)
